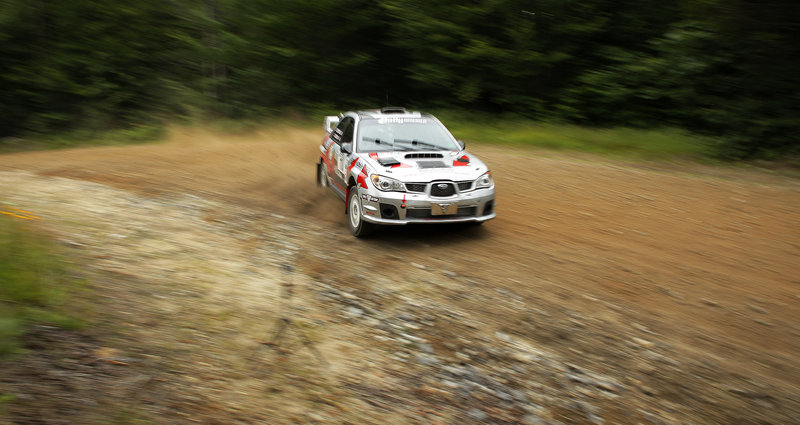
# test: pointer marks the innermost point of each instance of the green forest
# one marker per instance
(721, 68)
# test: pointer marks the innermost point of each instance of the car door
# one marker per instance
(340, 158)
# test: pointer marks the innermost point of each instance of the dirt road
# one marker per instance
(604, 292)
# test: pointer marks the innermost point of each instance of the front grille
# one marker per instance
(467, 212)
(418, 213)
(423, 155)
(442, 189)
(416, 187)
(420, 187)
(426, 213)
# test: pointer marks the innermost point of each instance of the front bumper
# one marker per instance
(398, 208)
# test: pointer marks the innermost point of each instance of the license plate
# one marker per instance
(444, 208)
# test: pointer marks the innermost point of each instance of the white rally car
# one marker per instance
(392, 167)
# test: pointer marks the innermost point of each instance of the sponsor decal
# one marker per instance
(328, 158)
(403, 205)
(365, 197)
(402, 120)
(373, 199)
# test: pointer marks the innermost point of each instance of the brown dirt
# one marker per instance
(601, 260)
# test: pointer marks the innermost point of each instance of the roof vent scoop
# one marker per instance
(393, 110)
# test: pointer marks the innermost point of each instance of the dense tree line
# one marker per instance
(721, 67)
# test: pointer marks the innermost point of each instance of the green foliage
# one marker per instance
(86, 137)
(723, 68)
(35, 284)
(662, 143)
(5, 399)
(84, 64)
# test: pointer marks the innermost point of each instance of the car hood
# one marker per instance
(425, 166)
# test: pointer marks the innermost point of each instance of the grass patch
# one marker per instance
(5, 400)
(36, 284)
(662, 143)
(79, 138)
(472, 127)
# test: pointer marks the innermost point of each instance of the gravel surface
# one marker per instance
(228, 290)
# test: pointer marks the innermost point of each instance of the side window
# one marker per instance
(347, 137)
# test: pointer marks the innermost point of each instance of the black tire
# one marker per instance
(322, 177)
(358, 227)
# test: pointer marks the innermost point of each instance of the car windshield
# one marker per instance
(403, 134)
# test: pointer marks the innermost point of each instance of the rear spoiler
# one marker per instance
(330, 122)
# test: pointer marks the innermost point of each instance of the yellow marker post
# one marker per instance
(26, 215)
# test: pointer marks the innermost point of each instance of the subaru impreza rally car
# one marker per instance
(393, 167)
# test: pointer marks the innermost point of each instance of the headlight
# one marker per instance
(484, 181)
(387, 184)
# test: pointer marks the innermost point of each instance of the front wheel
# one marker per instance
(355, 221)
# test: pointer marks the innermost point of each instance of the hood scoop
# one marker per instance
(431, 164)
(388, 161)
(423, 155)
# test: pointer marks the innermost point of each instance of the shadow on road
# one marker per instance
(427, 234)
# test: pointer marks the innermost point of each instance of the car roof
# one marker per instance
(391, 112)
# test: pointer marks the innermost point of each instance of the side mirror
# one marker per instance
(347, 148)
(330, 123)
(461, 144)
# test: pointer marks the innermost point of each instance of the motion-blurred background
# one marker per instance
(721, 68)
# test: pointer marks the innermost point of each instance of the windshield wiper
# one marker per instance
(379, 142)
(420, 142)
(374, 140)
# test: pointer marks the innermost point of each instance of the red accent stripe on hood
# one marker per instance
(460, 162)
